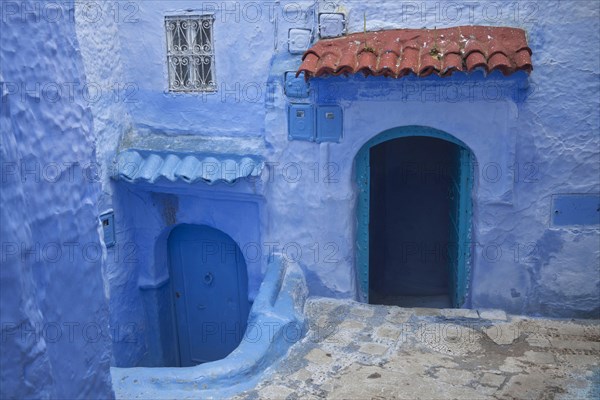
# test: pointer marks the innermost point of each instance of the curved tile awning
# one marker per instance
(398, 52)
(136, 166)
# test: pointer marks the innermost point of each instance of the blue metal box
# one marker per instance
(295, 87)
(299, 40)
(329, 123)
(301, 122)
(108, 227)
(332, 25)
(576, 209)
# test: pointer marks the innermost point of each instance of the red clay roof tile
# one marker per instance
(398, 52)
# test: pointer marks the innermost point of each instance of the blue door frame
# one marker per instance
(460, 250)
(209, 283)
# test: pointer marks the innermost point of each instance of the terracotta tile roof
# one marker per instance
(398, 52)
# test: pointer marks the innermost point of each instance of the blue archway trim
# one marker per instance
(462, 270)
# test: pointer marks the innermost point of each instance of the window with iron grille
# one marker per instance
(190, 53)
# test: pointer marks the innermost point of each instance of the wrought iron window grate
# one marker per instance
(190, 53)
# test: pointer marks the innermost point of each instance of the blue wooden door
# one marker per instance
(210, 293)
(459, 249)
(363, 180)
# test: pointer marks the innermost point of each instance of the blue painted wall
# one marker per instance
(242, 52)
(54, 320)
(533, 137)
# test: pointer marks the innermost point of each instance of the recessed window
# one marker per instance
(190, 53)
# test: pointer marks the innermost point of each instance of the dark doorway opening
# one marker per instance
(411, 221)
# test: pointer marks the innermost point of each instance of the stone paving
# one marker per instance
(359, 351)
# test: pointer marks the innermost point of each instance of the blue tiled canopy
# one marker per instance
(137, 166)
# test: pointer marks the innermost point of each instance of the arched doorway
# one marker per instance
(414, 218)
(209, 284)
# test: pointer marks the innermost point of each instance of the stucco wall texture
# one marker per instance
(53, 308)
(532, 136)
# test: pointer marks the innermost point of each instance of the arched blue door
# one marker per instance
(460, 206)
(210, 292)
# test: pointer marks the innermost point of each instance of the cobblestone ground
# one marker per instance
(358, 351)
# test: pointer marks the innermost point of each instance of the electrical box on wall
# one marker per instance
(298, 40)
(329, 123)
(301, 122)
(323, 125)
(107, 219)
(295, 86)
(332, 25)
(575, 209)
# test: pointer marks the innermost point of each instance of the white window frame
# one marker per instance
(190, 53)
